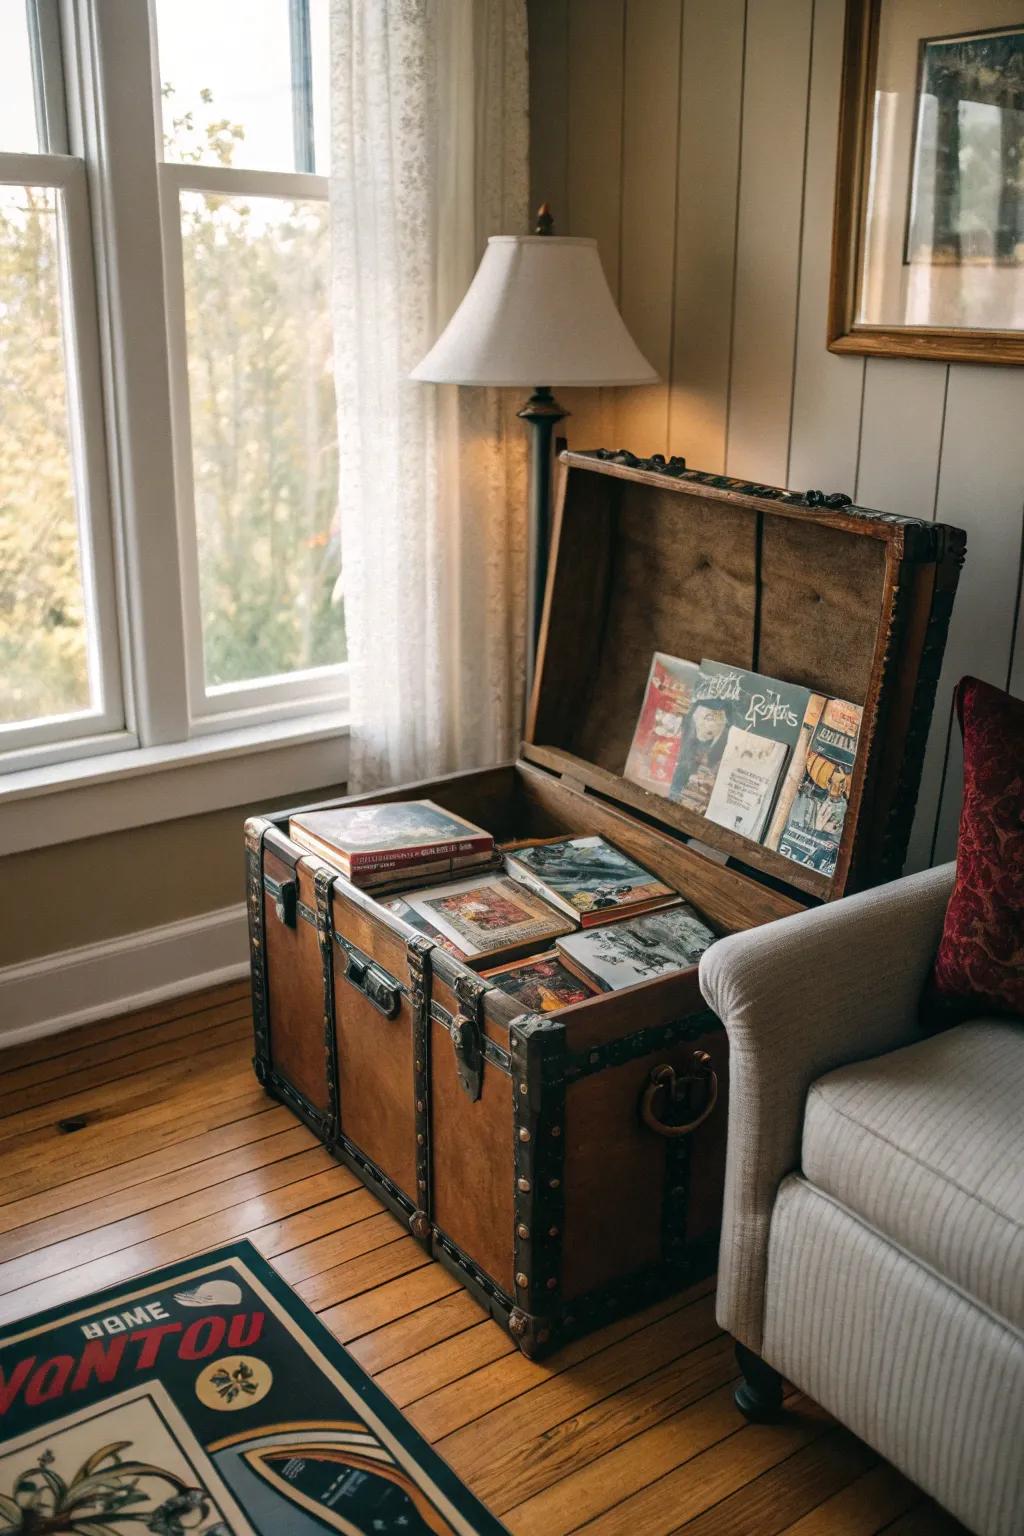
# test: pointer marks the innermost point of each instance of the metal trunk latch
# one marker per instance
(284, 894)
(380, 989)
(467, 1036)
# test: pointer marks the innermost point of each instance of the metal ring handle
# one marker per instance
(664, 1077)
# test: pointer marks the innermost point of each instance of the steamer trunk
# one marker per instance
(569, 1166)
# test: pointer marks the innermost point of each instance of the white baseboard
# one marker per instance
(75, 986)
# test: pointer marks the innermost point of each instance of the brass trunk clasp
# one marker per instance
(467, 1036)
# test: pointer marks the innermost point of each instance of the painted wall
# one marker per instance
(105, 887)
(696, 140)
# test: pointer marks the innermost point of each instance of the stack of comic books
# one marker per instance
(394, 844)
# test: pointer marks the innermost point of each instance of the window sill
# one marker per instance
(40, 807)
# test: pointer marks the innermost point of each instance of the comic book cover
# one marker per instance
(486, 917)
(541, 983)
(587, 878)
(659, 728)
(815, 826)
(724, 697)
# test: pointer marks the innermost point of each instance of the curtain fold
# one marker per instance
(429, 156)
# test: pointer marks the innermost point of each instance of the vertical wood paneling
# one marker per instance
(710, 114)
(650, 117)
(981, 486)
(548, 24)
(778, 53)
(594, 105)
(699, 145)
(900, 436)
(827, 391)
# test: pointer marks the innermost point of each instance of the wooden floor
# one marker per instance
(631, 1431)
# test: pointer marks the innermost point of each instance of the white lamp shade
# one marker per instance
(538, 312)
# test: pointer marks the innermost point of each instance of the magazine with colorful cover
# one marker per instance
(363, 840)
(655, 750)
(725, 696)
(621, 954)
(542, 983)
(587, 878)
(745, 784)
(794, 772)
(814, 828)
(488, 916)
(423, 925)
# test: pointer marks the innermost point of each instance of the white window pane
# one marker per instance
(264, 446)
(45, 661)
(18, 132)
(232, 81)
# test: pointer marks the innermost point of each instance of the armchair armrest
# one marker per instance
(799, 997)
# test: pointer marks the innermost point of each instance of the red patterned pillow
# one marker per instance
(980, 964)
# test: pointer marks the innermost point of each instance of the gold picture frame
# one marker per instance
(873, 269)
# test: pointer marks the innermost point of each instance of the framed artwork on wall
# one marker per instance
(928, 235)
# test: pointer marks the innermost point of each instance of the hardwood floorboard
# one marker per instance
(630, 1429)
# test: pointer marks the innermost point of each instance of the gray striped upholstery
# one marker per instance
(926, 1144)
(798, 998)
(872, 1243)
(931, 1380)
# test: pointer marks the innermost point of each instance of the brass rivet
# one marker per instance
(554, 1183)
(523, 1088)
(552, 1283)
(419, 1066)
(420, 1139)
(419, 1106)
(556, 1130)
(421, 1183)
(523, 1232)
(522, 1280)
(523, 1185)
(524, 1134)
(552, 1231)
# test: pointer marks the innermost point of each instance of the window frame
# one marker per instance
(211, 708)
(130, 381)
(91, 729)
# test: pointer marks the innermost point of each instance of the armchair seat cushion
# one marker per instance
(926, 1145)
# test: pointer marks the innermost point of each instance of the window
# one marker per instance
(168, 453)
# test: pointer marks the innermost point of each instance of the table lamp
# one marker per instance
(539, 307)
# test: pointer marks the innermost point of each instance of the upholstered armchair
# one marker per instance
(873, 1237)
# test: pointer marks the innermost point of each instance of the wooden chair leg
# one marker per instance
(759, 1395)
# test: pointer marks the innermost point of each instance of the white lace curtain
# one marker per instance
(428, 157)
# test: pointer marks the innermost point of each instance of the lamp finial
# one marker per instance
(545, 220)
